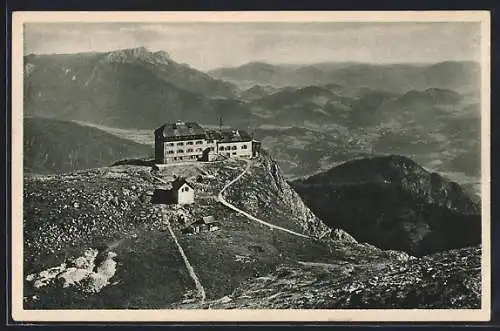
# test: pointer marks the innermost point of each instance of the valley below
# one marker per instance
(304, 151)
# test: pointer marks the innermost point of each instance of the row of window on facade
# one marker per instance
(191, 157)
(189, 150)
(199, 142)
(228, 148)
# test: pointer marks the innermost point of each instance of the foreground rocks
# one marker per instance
(446, 280)
(84, 274)
(244, 265)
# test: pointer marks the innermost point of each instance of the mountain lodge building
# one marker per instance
(181, 142)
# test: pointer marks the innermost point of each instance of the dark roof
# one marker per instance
(179, 130)
(203, 220)
(178, 182)
(226, 136)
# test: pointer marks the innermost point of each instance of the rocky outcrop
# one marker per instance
(265, 193)
(139, 54)
(310, 223)
(80, 273)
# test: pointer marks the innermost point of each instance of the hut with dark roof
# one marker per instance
(182, 192)
(206, 223)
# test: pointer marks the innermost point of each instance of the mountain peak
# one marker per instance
(163, 54)
(138, 54)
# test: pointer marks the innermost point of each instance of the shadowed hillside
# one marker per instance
(52, 146)
(393, 203)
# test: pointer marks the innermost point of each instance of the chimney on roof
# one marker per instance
(177, 124)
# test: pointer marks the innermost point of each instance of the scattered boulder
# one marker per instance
(78, 273)
(341, 235)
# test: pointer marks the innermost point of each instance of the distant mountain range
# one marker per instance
(428, 112)
(135, 88)
(460, 76)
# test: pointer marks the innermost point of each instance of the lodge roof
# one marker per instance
(188, 130)
(180, 130)
(226, 136)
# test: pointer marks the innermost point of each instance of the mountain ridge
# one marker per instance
(393, 203)
(394, 77)
(110, 88)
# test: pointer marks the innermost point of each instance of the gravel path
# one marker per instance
(221, 199)
(199, 287)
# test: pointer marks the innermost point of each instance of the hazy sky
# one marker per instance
(210, 45)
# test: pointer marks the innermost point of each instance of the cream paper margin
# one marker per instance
(292, 315)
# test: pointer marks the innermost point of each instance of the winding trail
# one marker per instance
(200, 289)
(221, 199)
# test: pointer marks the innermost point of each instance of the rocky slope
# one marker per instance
(388, 283)
(180, 75)
(393, 203)
(266, 183)
(111, 215)
(113, 210)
